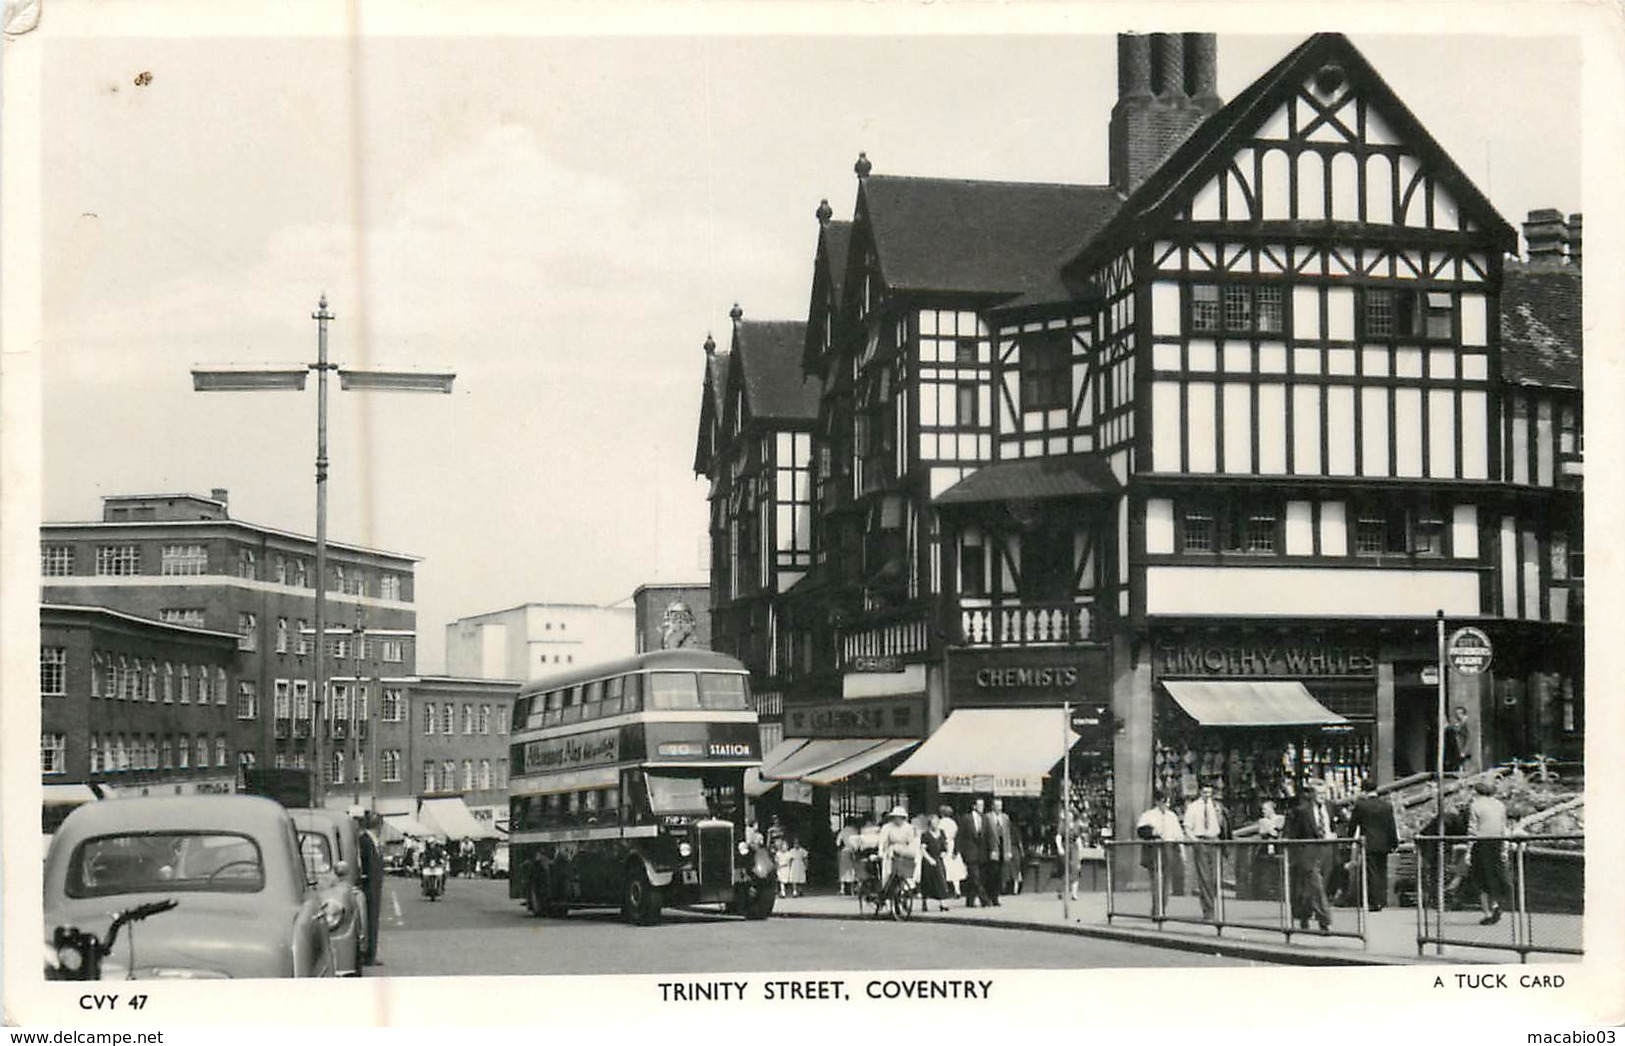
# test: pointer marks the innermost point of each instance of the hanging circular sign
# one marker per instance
(1469, 651)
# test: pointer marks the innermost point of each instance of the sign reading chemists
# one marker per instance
(1026, 677)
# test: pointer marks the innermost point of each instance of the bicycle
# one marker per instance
(895, 896)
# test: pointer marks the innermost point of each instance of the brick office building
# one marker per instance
(134, 706)
(183, 560)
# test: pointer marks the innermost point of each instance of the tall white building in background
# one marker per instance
(538, 639)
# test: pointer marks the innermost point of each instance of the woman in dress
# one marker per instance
(897, 839)
(846, 856)
(798, 867)
(781, 858)
(933, 883)
(953, 865)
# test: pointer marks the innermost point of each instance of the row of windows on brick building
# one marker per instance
(476, 776)
(442, 719)
(125, 560)
(119, 753)
(125, 678)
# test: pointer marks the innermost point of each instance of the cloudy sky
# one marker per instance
(560, 220)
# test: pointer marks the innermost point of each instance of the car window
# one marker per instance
(152, 862)
(313, 846)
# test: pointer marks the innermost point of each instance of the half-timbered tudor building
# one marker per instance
(755, 446)
(1204, 451)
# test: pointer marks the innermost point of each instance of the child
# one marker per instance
(797, 866)
(781, 855)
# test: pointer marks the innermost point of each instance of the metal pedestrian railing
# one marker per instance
(1286, 886)
(1534, 884)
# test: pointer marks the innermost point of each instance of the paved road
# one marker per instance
(476, 930)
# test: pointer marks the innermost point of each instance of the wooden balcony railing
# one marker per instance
(1028, 624)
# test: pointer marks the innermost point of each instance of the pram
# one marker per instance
(896, 895)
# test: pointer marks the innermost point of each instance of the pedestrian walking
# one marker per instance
(972, 840)
(846, 856)
(953, 865)
(1310, 819)
(1487, 869)
(933, 881)
(1378, 832)
(781, 860)
(1457, 742)
(798, 866)
(1069, 851)
(1158, 827)
(1205, 823)
(993, 851)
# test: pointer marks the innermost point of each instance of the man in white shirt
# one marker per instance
(1204, 820)
(1159, 824)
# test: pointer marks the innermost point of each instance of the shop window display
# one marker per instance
(1246, 770)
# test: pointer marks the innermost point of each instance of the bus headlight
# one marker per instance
(684, 850)
(744, 849)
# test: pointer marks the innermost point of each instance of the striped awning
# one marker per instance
(852, 765)
(815, 755)
(1250, 702)
(1001, 742)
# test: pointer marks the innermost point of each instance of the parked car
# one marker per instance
(330, 844)
(244, 905)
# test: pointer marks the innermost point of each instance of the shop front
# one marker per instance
(1257, 714)
(833, 766)
(1056, 677)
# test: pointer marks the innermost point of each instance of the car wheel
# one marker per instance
(641, 905)
(758, 904)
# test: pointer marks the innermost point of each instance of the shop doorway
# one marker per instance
(1416, 724)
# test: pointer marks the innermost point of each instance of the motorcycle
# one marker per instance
(433, 880)
(76, 955)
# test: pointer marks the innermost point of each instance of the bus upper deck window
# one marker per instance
(555, 699)
(632, 700)
(673, 690)
(723, 691)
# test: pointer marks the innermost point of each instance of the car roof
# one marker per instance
(248, 814)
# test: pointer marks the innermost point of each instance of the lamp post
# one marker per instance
(292, 378)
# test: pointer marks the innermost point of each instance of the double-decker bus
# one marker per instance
(626, 787)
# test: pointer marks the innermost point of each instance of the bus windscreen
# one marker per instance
(671, 794)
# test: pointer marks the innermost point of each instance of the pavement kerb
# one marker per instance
(1256, 951)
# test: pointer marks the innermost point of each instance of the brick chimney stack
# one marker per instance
(1574, 240)
(1167, 84)
(1545, 233)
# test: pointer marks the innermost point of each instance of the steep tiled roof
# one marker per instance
(942, 234)
(1541, 334)
(713, 404)
(1196, 157)
(769, 353)
(837, 237)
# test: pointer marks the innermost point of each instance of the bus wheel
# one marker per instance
(539, 897)
(641, 905)
(758, 903)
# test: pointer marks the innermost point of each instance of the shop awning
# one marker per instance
(755, 785)
(396, 805)
(817, 754)
(406, 824)
(68, 793)
(1250, 702)
(848, 767)
(1013, 742)
(453, 819)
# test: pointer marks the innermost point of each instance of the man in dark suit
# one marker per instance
(994, 853)
(1311, 819)
(971, 841)
(372, 883)
(1375, 825)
